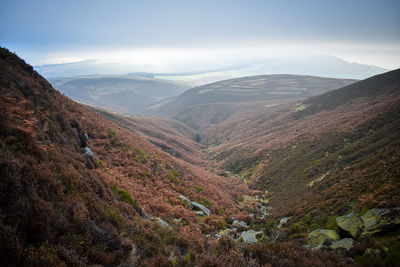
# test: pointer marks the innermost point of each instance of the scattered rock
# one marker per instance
(88, 152)
(239, 224)
(251, 236)
(162, 223)
(283, 221)
(378, 220)
(346, 243)
(198, 206)
(351, 223)
(144, 214)
(200, 209)
(314, 247)
(186, 200)
(200, 213)
(320, 236)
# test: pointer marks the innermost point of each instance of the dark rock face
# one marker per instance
(378, 220)
(351, 223)
(80, 132)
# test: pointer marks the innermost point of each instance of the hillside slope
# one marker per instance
(171, 136)
(337, 152)
(211, 104)
(125, 93)
(76, 189)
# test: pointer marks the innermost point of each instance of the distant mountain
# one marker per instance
(125, 93)
(313, 65)
(210, 104)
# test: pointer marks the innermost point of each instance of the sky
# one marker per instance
(200, 32)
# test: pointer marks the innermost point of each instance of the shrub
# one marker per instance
(124, 196)
(173, 177)
(140, 156)
(198, 187)
(144, 174)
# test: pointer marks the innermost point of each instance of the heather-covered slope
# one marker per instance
(210, 104)
(55, 209)
(171, 136)
(61, 205)
(78, 190)
(337, 152)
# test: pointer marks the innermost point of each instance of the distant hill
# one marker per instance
(124, 93)
(314, 65)
(210, 104)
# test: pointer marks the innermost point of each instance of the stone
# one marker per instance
(314, 247)
(200, 213)
(88, 152)
(162, 223)
(198, 206)
(351, 223)
(239, 224)
(283, 221)
(320, 236)
(378, 220)
(145, 215)
(251, 236)
(345, 243)
(186, 200)
(226, 231)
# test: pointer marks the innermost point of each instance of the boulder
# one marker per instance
(346, 243)
(351, 223)
(320, 236)
(378, 220)
(88, 152)
(198, 206)
(251, 236)
(227, 231)
(186, 200)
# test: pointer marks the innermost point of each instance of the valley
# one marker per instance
(125, 93)
(266, 170)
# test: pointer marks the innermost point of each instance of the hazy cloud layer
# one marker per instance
(54, 31)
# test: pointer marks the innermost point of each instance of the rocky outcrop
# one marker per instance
(378, 220)
(321, 236)
(186, 201)
(351, 223)
(200, 209)
(346, 243)
(251, 236)
(88, 152)
(239, 224)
